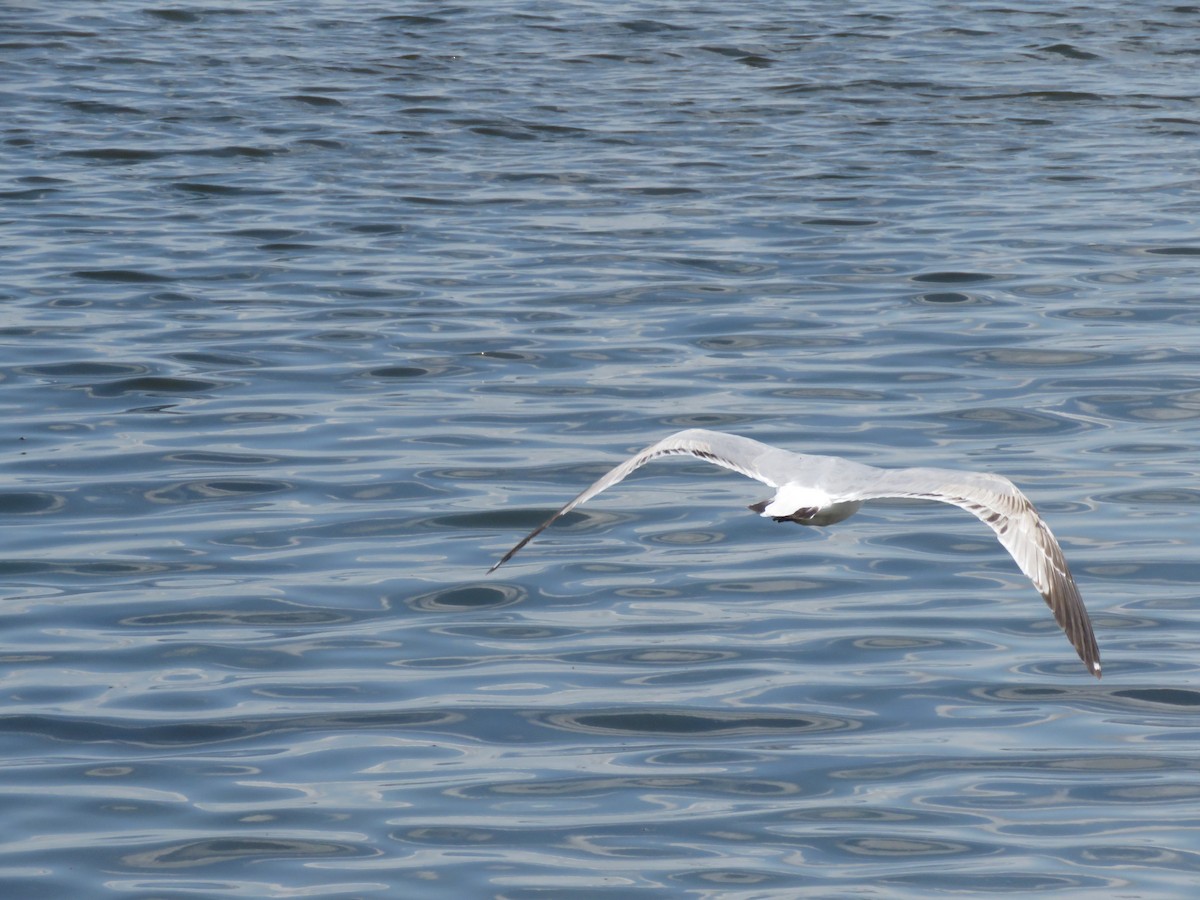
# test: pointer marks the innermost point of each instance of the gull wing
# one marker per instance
(999, 503)
(729, 451)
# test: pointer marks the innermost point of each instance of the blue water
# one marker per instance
(310, 311)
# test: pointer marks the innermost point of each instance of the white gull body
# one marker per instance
(822, 490)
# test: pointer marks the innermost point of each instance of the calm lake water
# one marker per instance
(310, 311)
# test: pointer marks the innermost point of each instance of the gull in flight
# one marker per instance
(822, 490)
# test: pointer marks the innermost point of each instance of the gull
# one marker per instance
(822, 490)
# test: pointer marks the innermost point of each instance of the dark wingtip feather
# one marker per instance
(525, 540)
(513, 552)
(1072, 618)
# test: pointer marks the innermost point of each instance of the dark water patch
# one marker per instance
(520, 131)
(80, 731)
(706, 756)
(512, 356)
(170, 297)
(686, 538)
(989, 420)
(1058, 767)
(592, 786)
(1139, 449)
(31, 503)
(210, 851)
(647, 593)
(344, 335)
(456, 837)
(517, 523)
(101, 570)
(652, 26)
(906, 847)
(727, 51)
(1042, 96)
(1131, 385)
(95, 730)
(733, 268)
(215, 359)
(284, 618)
(851, 814)
(314, 100)
(1176, 126)
(906, 643)
(1092, 312)
(1070, 51)
(662, 191)
(205, 189)
(736, 325)
(267, 234)
(954, 277)
(507, 632)
(156, 385)
(413, 19)
(1013, 881)
(1165, 314)
(830, 394)
(754, 61)
(235, 151)
(216, 489)
(718, 675)
(928, 542)
(1138, 793)
(744, 344)
(696, 724)
(563, 177)
(124, 155)
(321, 143)
(452, 662)
(202, 458)
(1153, 406)
(952, 298)
(400, 372)
(656, 657)
(121, 276)
(262, 417)
(790, 585)
(289, 247)
(840, 222)
(29, 194)
(429, 369)
(466, 597)
(561, 391)
(1151, 496)
(101, 108)
(40, 332)
(429, 200)
(500, 520)
(1026, 357)
(378, 228)
(175, 16)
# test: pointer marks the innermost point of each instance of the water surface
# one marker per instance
(311, 311)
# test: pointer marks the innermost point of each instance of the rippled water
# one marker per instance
(310, 311)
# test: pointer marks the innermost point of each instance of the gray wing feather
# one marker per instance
(999, 504)
(730, 451)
